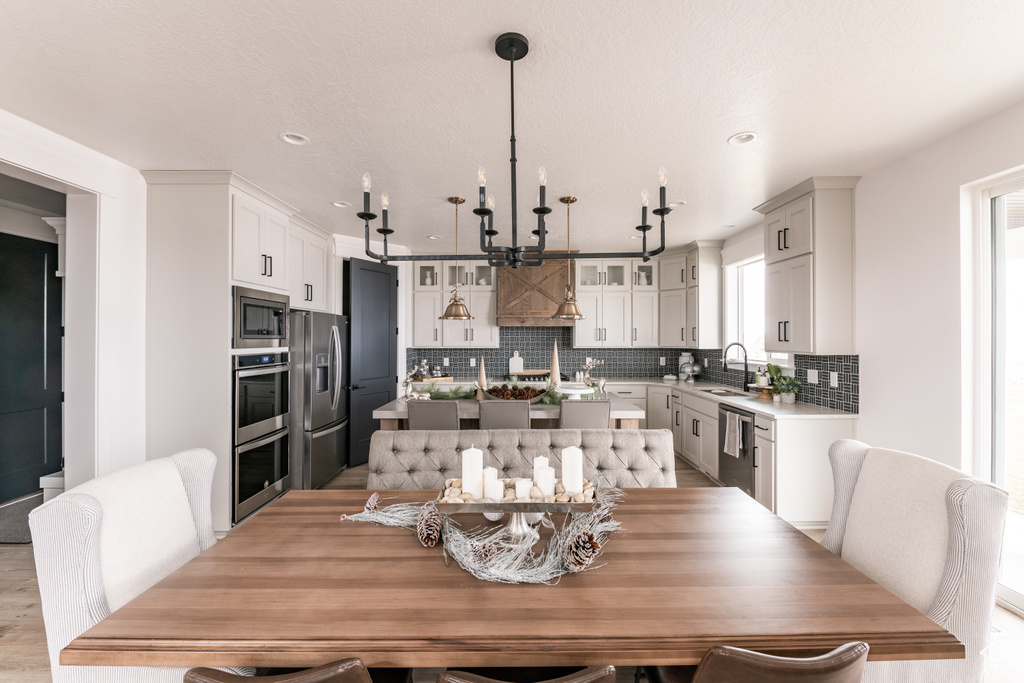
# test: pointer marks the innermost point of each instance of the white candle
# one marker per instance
(473, 472)
(545, 479)
(493, 489)
(572, 469)
(523, 487)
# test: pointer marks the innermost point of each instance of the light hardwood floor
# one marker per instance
(24, 659)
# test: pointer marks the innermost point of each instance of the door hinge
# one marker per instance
(62, 462)
(62, 397)
(62, 330)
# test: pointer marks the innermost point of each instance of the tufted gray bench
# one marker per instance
(625, 458)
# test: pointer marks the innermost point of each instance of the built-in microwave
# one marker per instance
(261, 318)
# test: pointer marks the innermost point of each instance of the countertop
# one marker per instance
(621, 409)
(765, 407)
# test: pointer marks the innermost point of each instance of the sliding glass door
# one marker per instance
(1007, 436)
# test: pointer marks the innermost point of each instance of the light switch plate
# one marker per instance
(661, 360)
(833, 379)
(444, 362)
(472, 362)
(812, 376)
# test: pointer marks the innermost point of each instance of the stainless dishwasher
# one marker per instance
(736, 471)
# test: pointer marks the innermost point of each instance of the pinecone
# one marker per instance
(581, 551)
(428, 526)
(481, 553)
(371, 503)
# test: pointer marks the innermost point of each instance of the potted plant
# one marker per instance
(787, 387)
(774, 373)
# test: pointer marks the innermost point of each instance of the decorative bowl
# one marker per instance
(488, 396)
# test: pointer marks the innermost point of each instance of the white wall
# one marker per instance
(105, 301)
(908, 293)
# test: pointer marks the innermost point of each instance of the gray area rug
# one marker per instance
(14, 519)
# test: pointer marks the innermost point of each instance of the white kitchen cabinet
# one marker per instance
(691, 316)
(645, 319)
(809, 302)
(259, 243)
(788, 230)
(764, 481)
(692, 266)
(672, 318)
(426, 275)
(659, 407)
(427, 306)
(677, 423)
(307, 268)
(789, 305)
(607, 322)
(635, 394)
(700, 433)
(645, 275)
(482, 330)
(603, 275)
(672, 273)
(470, 275)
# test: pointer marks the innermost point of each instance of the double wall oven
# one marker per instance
(261, 402)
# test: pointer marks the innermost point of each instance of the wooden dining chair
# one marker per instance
(527, 674)
(504, 414)
(343, 671)
(585, 414)
(433, 414)
(723, 664)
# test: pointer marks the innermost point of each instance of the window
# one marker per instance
(744, 312)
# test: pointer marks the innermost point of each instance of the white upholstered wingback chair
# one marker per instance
(931, 535)
(101, 544)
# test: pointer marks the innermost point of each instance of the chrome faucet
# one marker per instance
(725, 362)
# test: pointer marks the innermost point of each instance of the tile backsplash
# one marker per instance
(534, 344)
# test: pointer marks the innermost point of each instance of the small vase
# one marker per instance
(777, 398)
(788, 398)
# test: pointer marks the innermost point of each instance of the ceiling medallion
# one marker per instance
(511, 47)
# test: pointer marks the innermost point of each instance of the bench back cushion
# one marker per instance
(624, 458)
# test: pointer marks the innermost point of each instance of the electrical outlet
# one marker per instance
(472, 362)
(588, 360)
(833, 379)
(444, 362)
(812, 376)
(661, 360)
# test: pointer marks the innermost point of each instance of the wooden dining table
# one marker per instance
(297, 586)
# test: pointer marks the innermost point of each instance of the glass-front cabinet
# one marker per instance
(602, 275)
(645, 275)
(427, 275)
(469, 274)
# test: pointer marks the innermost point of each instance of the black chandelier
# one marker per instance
(511, 47)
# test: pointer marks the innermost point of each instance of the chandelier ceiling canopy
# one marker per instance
(512, 47)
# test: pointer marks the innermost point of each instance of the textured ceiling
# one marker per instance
(412, 92)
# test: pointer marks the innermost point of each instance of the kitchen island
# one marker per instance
(624, 415)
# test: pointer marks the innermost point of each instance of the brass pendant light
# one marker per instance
(456, 307)
(568, 310)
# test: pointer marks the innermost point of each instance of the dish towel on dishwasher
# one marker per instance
(733, 435)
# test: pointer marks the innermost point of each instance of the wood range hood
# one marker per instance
(528, 296)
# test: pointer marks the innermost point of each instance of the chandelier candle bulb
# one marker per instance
(572, 470)
(482, 175)
(384, 209)
(544, 477)
(663, 180)
(543, 176)
(367, 183)
(473, 472)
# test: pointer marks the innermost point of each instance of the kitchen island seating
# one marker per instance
(624, 458)
(501, 414)
(344, 671)
(723, 664)
(928, 533)
(100, 544)
(585, 414)
(433, 414)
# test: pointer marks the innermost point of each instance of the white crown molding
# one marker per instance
(164, 177)
(820, 182)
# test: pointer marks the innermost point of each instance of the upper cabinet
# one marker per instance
(259, 239)
(645, 275)
(308, 250)
(426, 275)
(597, 276)
(672, 272)
(809, 267)
(468, 274)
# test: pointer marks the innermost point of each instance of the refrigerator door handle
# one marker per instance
(336, 347)
(325, 432)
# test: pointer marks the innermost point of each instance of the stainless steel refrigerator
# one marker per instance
(318, 344)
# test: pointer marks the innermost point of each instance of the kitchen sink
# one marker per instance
(723, 392)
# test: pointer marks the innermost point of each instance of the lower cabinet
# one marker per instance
(764, 480)
(659, 407)
(700, 434)
(677, 422)
(635, 394)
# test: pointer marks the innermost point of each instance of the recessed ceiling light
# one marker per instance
(341, 204)
(728, 227)
(676, 205)
(743, 138)
(635, 237)
(294, 138)
(434, 237)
